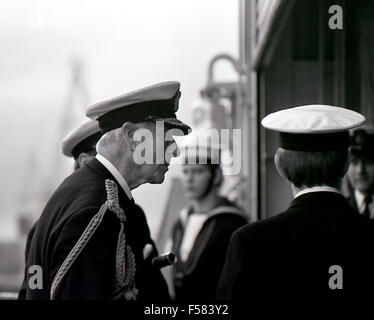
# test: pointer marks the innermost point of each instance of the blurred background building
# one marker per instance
(236, 60)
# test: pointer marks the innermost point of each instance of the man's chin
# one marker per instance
(362, 187)
(158, 179)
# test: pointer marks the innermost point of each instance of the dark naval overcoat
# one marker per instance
(320, 246)
(92, 275)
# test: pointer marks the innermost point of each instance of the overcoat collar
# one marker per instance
(104, 173)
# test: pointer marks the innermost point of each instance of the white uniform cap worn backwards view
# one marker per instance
(156, 102)
(313, 127)
(202, 146)
(315, 118)
(82, 138)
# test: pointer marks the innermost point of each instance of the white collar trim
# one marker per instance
(113, 170)
(317, 189)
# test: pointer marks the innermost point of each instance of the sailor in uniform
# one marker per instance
(319, 246)
(361, 170)
(201, 234)
(92, 241)
(80, 143)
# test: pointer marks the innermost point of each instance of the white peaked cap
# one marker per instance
(156, 102)
(314, 118)
(84, 136)
(313, 127)
(200, 144)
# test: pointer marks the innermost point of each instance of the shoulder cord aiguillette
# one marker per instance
(125, 259)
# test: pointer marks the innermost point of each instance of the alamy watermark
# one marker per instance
(216, 146)
(35, 280)
(336, 19)
(36, 277)
(336, 280)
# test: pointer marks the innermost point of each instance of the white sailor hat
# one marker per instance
(157, 102)
(82, 138)
(313, 127)
(201, 146)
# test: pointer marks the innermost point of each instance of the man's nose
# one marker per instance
(189, 177)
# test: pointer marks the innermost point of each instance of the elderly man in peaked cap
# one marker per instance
(361, 170)
(317, 247)
(92, 241)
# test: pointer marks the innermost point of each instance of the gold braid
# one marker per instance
(125, 274)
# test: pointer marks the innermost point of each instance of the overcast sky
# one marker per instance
(123, 45)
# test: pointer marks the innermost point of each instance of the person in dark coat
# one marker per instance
(92, 241)
(318, 247)
(202, 232)
(361, 170)
(79, 143)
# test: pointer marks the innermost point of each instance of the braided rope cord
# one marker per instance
(127, 288)
(78, 247)
(125, 281)
(125, 259)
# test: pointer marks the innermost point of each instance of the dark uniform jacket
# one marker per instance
(92, 275)
(290, 255)
(22, 290)
(197, 277)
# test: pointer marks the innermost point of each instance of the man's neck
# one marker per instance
(126, 169)
(365, 193)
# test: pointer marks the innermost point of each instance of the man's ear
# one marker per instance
(83, 158)
(347, 163)
(278, 168)
(128, 129)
